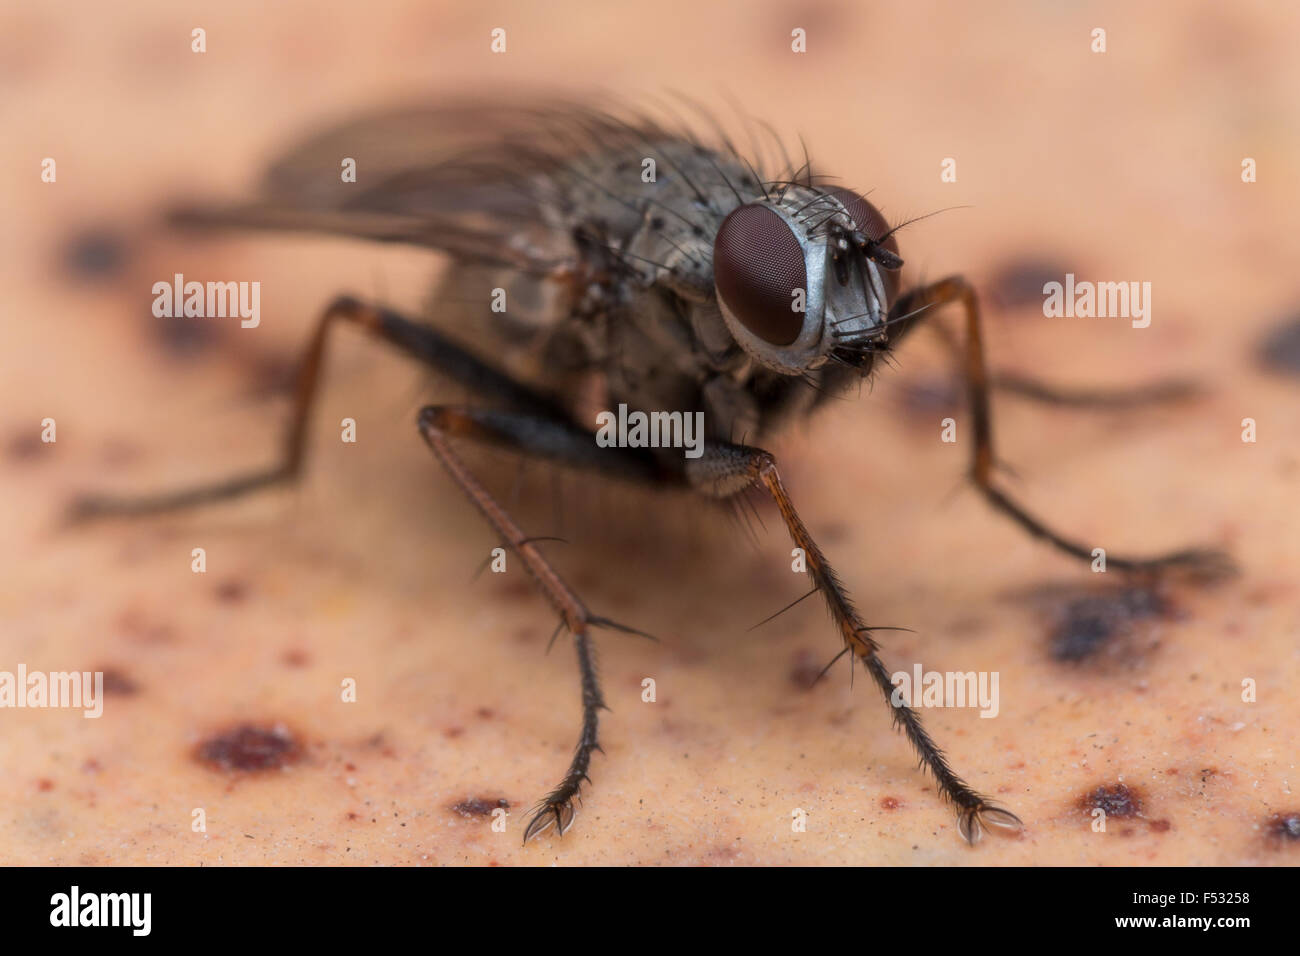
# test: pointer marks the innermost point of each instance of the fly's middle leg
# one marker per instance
(725, 470)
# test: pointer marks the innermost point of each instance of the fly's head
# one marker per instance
(806, 278)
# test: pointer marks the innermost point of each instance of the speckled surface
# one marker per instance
(1120, 166)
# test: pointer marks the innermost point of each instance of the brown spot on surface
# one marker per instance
(271, 375)
(1119, 800)
(1279, 351)
(1019, 283)
(116, 682)
(1284, 827)
(94, 254)
(486, 713)
(931, 398)
(231, 591)
(117, 452)
(804, 670)
(722, 851)
(451, 733)
(141, 629)
(250, 748)
(23, 446)
(479, 806)
(518, 587)
(380, 743)
(295, 657)
(1099, 626)
(181, 337)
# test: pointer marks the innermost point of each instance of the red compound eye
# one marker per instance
(757, 264)
(865, 216)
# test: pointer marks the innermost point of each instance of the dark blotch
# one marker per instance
(1020, 283)
(181, 337)
(932, 397)
(273, 374)
(295, 657)
(24, 446)
(250, 748)
(479, 806)
(116, 682)
(1090, 623)
(232, 591)
(805, 670)
(1120, 801)
(95, 254)
(1279, 351)
(1285, 826)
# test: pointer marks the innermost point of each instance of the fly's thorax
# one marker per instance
(800, 276)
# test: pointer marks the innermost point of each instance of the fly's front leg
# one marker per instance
(558, 440)
(924, 302)
(724, 470)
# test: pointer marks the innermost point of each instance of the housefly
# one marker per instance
(651, 269)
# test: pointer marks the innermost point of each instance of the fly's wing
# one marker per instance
(488, 184)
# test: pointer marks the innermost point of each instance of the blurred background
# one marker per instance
(224, 687)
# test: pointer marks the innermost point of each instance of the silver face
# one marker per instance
(832, 311)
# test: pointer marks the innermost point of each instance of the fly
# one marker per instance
(654, 271)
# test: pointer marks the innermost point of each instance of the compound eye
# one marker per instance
(865, 216)
(757, 264)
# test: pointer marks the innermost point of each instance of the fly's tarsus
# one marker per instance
(973, 821)
(557, 808)
(558, 813)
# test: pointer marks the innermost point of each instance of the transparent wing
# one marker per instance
(483, 182)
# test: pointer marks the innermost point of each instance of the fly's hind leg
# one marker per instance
(922, 303)
(560, 441)
(725, 470)
(417, 340)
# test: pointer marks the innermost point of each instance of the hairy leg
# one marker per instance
(417, 340)
(563, 442)
(921, 304)
(725, 470)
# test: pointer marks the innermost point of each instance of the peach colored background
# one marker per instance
(1120, 166)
